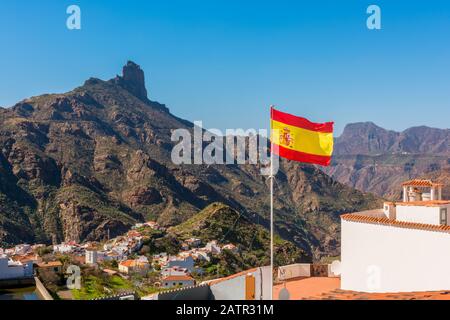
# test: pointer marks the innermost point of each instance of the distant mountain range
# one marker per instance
(366, 138)
(94, 160)
(372, 159)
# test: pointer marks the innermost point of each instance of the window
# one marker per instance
(443, 216)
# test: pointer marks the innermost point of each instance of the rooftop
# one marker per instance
(421, 183)
(128, 263)
(50, 264)
(110, 272)
(358, 217)
(303, 288)
(178, 278)
(25, 258)
(431, 203)
(321, 288)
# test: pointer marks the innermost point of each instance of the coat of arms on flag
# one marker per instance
(286, 138)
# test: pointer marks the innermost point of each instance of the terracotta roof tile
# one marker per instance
(178, 278)
(394, 223)
(50, 264)
(315, 288)
(421, 183)
(128, 263)
(432, 203)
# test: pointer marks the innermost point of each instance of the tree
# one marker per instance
(145, 250)
(44, 251)
(114, 264)
(50, 279)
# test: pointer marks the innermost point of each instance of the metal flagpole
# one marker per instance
(271, 226)
(271, 207)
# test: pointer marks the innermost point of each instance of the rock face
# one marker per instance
(364, 138)
(74, 166)
(133, 80)
(369, 139)
(372, 159)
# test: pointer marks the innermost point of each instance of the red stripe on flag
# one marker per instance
(300, 156)
(295, 121)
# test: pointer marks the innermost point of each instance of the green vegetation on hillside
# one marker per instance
(227, 226)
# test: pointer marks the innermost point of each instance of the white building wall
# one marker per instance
(419, 214)
(123, 268)
(294, 271)
(173, 272)
(62, 248)
(91, 256)
(378, 258)
(17, 270)
(234, 288)
(265, 277)
(187, 263)
(28, 269)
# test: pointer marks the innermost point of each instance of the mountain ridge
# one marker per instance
(97, 159)
(372, 159)
(367, 138)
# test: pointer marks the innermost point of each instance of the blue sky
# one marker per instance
(225, 61)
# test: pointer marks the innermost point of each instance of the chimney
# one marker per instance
(390, 210)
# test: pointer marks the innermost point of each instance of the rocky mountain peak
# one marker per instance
(133, 80)
(362, 127)
(366, 138)
(92, 162)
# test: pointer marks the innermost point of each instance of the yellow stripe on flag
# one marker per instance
(303, 140)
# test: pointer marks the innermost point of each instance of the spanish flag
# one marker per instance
(299, 139)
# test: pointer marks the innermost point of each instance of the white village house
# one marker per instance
(10, 269)
(22, 249)
(187, 263)
(91, 256)
(63, 248)
(139, 265)
(400, 248)
(213, 247)
(174, 281)
(174, 271)
(194, 242)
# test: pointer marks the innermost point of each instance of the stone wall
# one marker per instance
(42, 290)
